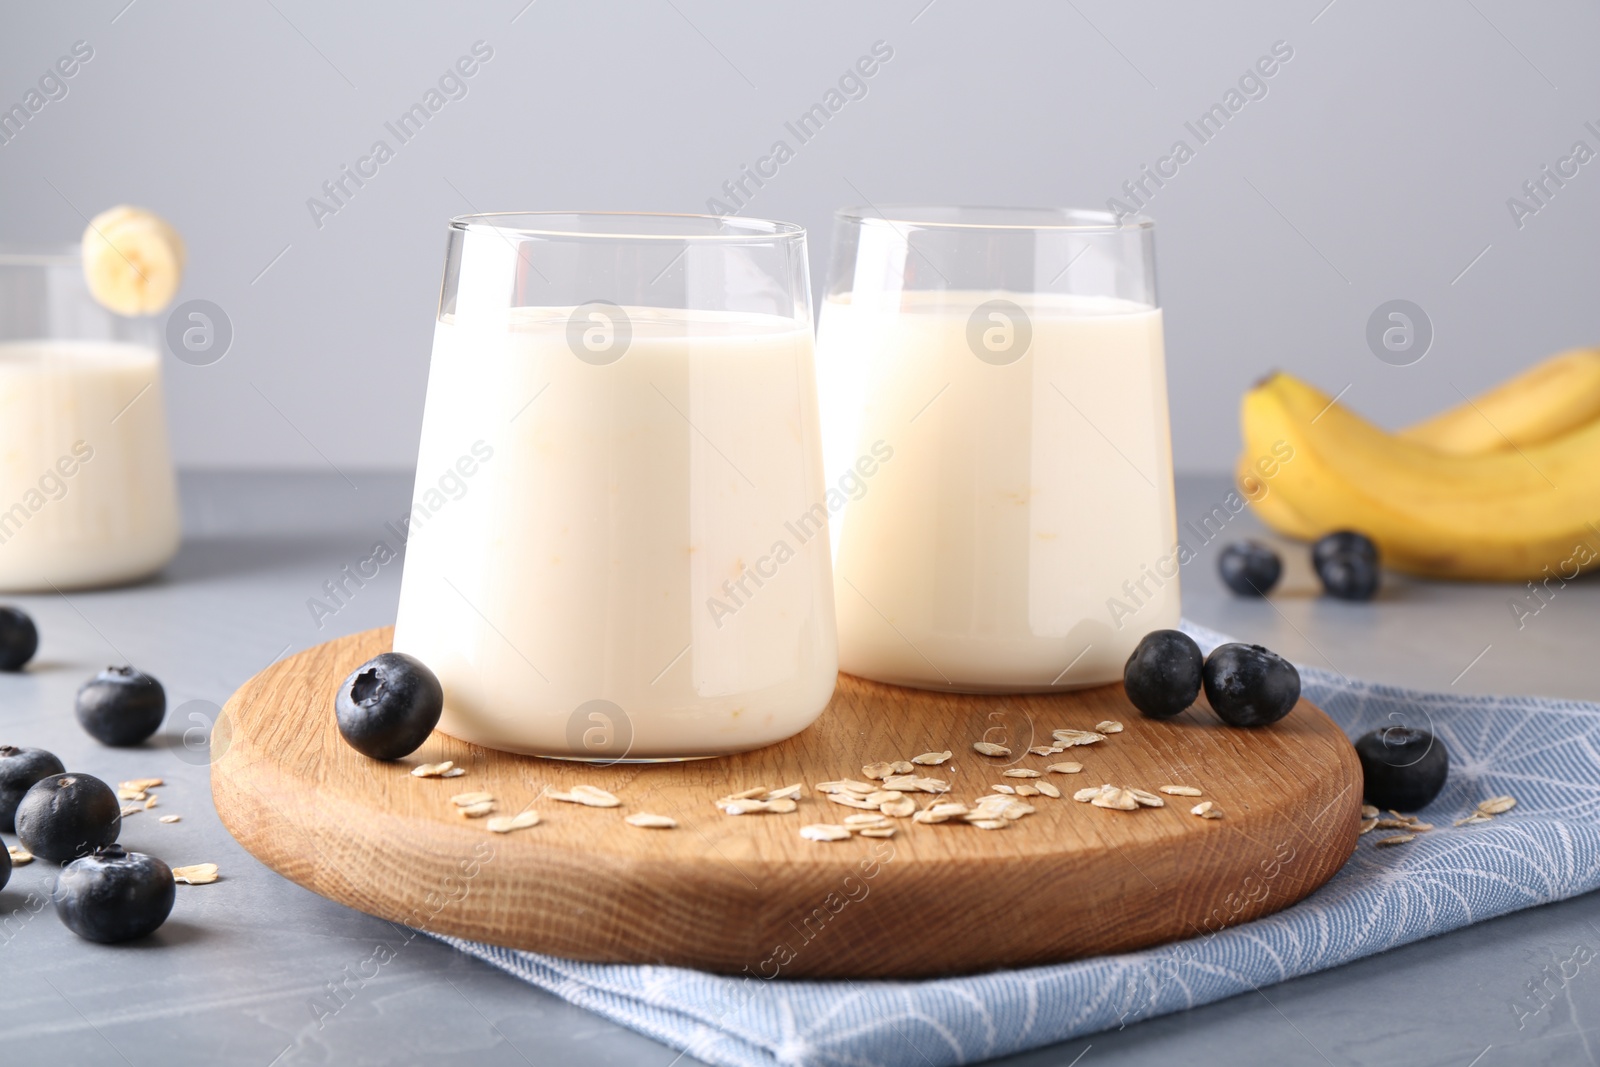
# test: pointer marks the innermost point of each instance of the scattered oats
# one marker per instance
(139, 785)
(854, 821)
(877, 831)
(931, 759)
(1110, 726)
(1206, 810)
(131, 809)
(1368, 811)
(1017, 810)
(1083, 796)
(901, 766)
(877, 770)
(751, 805)
(462, 800)
(1394, 839)
(1008, 789)
(123, 793)
(1019, 772)
(1403, 818)
(148, 804)
(1474, 819)
(1393, 824)
(940, 813)
(1421, 827)
(1367, 826)
(747, 794)
(884, 796)
(1043, 750)
(903, 808)
(1027, 789)
(989, 824)
(821, 831)
(850, 800)
(933, 785)
(1180, 791)
(906, 783)
(1148, 800)
(788, 792)
(1048, 790)
(475, 811)
(1064, 768)
(507, 823)
(169, 818)
(197, 874)
(589, 796)
(645, 820)
(1069, 738)
(436, 770)
(850, 785)
(989, 748)
(783, 806)
(20, 857)
(1496, 805)
(1115, 799)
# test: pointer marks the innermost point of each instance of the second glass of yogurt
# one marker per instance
(618, 546)
(994, 388)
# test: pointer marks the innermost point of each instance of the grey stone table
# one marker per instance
(255, 970)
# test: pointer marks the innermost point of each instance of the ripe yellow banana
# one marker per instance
(1545, 401)
(132, 260)
(1506, 515)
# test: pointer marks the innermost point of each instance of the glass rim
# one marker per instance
(40, 254)
(955, 217)
(690, 227)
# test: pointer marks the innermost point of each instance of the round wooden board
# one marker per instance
(747, 893)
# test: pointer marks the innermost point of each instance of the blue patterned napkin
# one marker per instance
(1544, 752)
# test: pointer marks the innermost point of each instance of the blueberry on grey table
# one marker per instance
(1248, 685)
(114, 895)
(1249, 568)
(66, 816)
(19, 638)
(1347, 564)
(5, 867)
(19, 769)
(121, 706)
(1404, 767)
(389, 705)
(1162, 677)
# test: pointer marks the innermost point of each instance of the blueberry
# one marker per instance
(1348, 575)
(1249, 686)
(5, 867)
(114, 895)
(1344, 541)
(1404, 767)
(19, 769)
(121, 706)
(19, 638)
(66, 816)
(389, 705)
(1162, 677)
(1250, 568)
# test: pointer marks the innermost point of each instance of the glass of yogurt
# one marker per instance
(994, 391)
(618, 544)
(87, 496)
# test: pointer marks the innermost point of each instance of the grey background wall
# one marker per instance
(1377, 165)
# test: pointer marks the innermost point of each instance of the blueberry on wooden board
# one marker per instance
(1162, 677)
(1248, 685)
(389, 705)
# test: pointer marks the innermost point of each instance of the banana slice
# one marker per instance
(132, 260)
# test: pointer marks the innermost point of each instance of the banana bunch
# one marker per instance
(132, 260)
(1503, 487)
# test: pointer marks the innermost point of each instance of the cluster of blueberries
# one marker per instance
(1345, 561)
(1403, 768)
(104, 892)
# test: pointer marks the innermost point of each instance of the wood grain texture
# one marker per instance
(746, 893)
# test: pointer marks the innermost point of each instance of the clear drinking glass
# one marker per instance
(617, 543)
(87, 496)
(994, 405)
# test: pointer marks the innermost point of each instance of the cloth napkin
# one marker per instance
(1546, 753)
